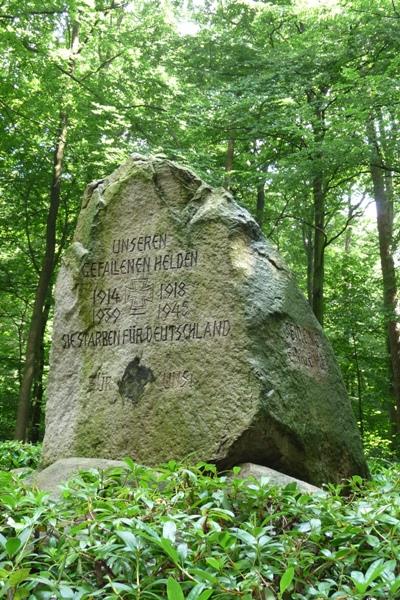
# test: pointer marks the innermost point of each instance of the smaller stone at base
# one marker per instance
(52, 477)
(275, 477)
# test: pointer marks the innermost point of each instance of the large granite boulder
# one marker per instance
(180, 333)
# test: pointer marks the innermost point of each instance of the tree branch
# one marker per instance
(344, 180)
(32, 13)
(103, 64)
(280, 218)
(353, 214)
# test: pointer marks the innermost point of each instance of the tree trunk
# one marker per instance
(43, 291)
(309, 252)
(229, 163)
(349, 230)
(260, 203)
(316, 101)
(359, 385)
(260, 206)
(37, 400)
(319, 249)
(34, 434)
(384, 210)
(37, 324)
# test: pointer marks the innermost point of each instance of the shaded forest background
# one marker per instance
(293, 106)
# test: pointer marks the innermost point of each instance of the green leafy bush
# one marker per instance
(14, 455)
(185, 533)
(377, 446)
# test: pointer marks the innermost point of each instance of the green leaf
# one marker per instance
(120, 587)
(213, 562)
(170, 550)
(12, 546)
(169, 531)
(373, 541)
(182, 551)
(128, 461)
(21, 593)
(196, 591)
(174, 590)
(374, 570)
(286, 579)
(205, 575)
(359, 581)
(130, 540)
(245, 537)
(291, 488)
(225, 540)
(66, 592)
(395, 586)
(16, 577)
(205, 595)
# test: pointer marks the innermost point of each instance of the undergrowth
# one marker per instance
(15, 455)
(185, 533)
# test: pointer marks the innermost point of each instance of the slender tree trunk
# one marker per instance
(309, 252)
(319, 249)
(43, 291)
(38, 314)
(37, 391)
(316, 101)
(260, 203)
(230, 151)
(37, 400)
(384, 210)
(349, 230)
(359, 385)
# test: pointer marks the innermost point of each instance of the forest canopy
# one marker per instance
(292, 106)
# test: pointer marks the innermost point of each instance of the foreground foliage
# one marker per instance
(183, 532)
(14, 455)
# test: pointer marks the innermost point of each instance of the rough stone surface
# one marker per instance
(51, 478)
(275, 477)
(180, 333)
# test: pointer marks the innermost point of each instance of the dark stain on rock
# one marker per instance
(134, 381)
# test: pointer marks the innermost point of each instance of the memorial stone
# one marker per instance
(180, 334)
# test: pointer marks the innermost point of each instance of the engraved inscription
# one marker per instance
(147, 334)
(176, 289)
(139, 294)
(104, 305)
(176, 379)
(304, 347)
(100, 382)
(142, 243)
(137, 308)
(141, 264)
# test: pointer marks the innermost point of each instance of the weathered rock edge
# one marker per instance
(58, 473)
(248, 470)
(279, 412)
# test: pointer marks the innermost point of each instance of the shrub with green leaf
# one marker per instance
(185, 533)
(14, 455)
